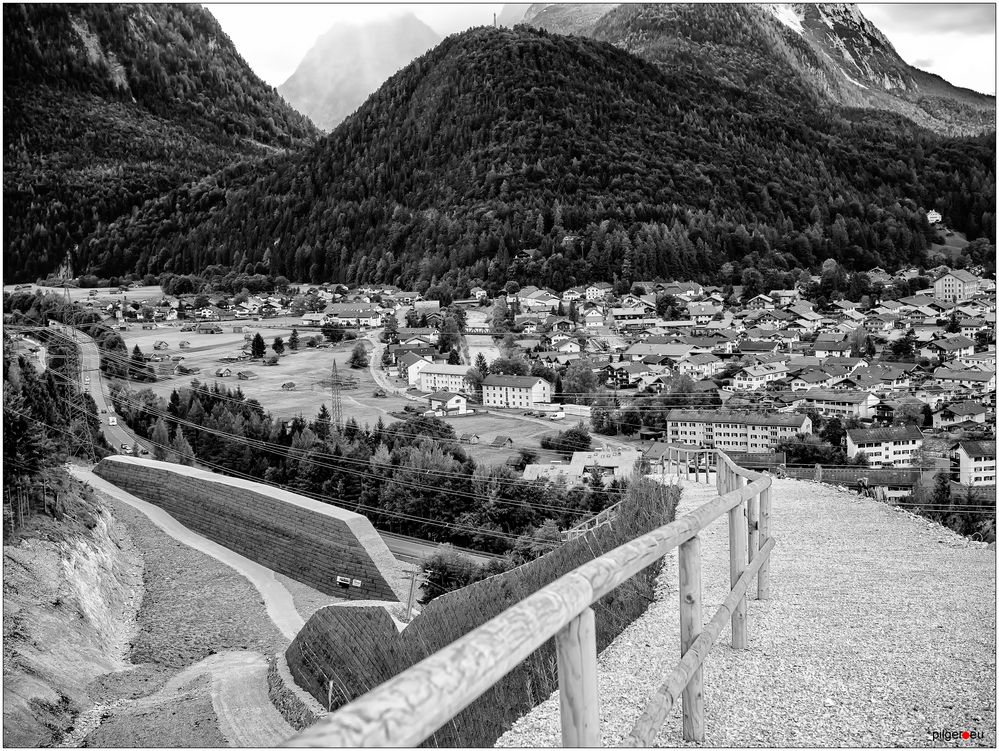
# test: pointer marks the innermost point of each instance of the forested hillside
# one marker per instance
(106, 106)
(556, 160)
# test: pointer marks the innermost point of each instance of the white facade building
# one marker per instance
(515, 391)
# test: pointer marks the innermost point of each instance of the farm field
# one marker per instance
(305, 368)
(103, 294)
(525, 434)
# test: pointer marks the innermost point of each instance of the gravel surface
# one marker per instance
(194, 606)
(200, 672)
(879, 632)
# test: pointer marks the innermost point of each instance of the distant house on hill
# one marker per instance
(161, 345)
(289, 386)
(223, 372)
(246, 375)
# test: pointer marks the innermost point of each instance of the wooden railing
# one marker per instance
(407, 709)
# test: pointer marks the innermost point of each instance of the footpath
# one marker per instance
(880, 632)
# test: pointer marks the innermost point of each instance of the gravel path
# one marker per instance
(879, 632)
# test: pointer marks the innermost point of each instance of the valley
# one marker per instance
(374, 388)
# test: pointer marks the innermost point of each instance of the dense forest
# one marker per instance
(518, 154)
(107, 106)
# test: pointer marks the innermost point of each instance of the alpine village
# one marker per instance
(573, 375)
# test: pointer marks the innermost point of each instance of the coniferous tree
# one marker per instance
(160, 439)
(258, 346)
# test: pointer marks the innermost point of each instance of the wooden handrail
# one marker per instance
(408, 708)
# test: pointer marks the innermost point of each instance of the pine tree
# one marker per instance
(321, 426)
(293, 340)
(160, 439)
(481, 365)
(258, 346)
(185, 454)
(453, 358)
(278, 345)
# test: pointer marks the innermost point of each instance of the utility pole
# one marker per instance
(412, 591)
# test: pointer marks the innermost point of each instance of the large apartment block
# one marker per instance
(453, 378)
(515, 391)
(977, 462)
(734, 431)
(885, 447)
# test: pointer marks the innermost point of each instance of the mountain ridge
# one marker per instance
(106, 107)
(600, 162)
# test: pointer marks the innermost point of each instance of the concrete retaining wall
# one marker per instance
(310, 541)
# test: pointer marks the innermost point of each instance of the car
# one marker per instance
(112, 421)
(126, 449)
(144, 452)
(103, 411)
(87, 380)
(557, 416)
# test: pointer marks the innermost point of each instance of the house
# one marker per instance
(161, 345)
(435, 377)
(592, 319)
(447, 403)
(568, 346)
(624, 374)
(832, 349)
(410, 365)
(699, 366)
(598, 291)
(956, 285)
(288, 386)
(223, 372)
(761, 302)
(885, 447)
(208, 328)
(501, 442)
(948, 348)
(478, 293)
(933, 216)
(757, 376)
(469, 438)
(734, 430)
(971, 379)
(515, 391)
(961, 412)
(977, 460)
(840, 403)
(184, 344)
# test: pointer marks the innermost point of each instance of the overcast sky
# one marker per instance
(953, 40)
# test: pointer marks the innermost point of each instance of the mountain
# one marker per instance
(106, 106)
(349, 62)
(519, 154)
(844, 58)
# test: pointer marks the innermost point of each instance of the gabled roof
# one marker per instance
(444, 396)
(518, 382)
(878, 435)
(979, 448)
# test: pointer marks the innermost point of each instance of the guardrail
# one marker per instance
(407, 709)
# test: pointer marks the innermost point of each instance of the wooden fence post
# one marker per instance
(576, 651)
(752, 525)
(691, 624)
(737, 564)
(763, 578)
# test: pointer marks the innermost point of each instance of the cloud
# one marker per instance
(966, 18)
(924, 62)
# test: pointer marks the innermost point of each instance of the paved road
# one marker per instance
(90, 360)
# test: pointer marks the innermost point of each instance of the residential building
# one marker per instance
(840, 403)
(885, 447)
(757, 376)
(410, 365)
(961, 412)
(598, 291)
(734, 431)
(436, 377)
(948, 348)
(977, 462)
(956, 285)
(515, 391)
(448, 403)
(971, 379)
(588, 467)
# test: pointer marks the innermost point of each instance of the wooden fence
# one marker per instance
(408, 708)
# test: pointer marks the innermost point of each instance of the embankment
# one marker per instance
(71, 592)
